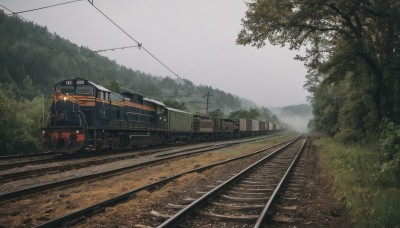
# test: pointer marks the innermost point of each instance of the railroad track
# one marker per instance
(243, 200)
(20, 156)
(4, 197)
(30, 160)
(16, 161)
(20, 193)
(98, 208)
(77, 163)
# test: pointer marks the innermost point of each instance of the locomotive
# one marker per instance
(86, 116)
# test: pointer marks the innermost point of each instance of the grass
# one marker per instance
(372, 200)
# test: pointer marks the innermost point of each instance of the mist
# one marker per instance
(295, 117)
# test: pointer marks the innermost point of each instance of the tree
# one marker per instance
(114, 86)
(217, 113)
(242, 113)
(338, 35)
(251, 114)
(175, 104)
(353, 60)
(16, 128)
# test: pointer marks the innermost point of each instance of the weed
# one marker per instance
(372, 201)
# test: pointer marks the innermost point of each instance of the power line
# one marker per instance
(139, 45)
(119, 27)
(45, 7)
(12, 12)
(122, 48)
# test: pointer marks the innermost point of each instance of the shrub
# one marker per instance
(347, 136)
(389, 144)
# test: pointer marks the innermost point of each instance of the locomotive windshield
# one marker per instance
(65, 89)
(75, 87)
(84, 89)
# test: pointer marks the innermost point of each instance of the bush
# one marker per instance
(347, 136)
(19, 125)
(356, 169)
(389, 144)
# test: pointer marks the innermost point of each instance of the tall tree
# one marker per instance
(353, 59)
(338, 36)
(217, 113)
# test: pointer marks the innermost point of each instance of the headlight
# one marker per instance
(77, 131)
(65, 98)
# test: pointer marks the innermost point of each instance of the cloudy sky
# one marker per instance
(195, 39)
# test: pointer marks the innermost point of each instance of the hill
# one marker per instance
(32, 60)
(296, 116)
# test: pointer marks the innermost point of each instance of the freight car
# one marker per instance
(203, 128)
(87, 116)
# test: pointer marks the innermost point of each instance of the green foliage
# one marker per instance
(389, 142)
(352, 57)
(353, 60)
(114, 86)
(299, 110)
(372, 201)
(249, 114)
(262, 114)
(175, 104)
(19, 127)
(216, 113)
(348, 136)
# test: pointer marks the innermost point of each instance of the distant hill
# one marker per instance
(32, 60)
(296, 116)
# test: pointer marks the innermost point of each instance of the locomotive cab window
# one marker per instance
(84, 89)
(65, 89)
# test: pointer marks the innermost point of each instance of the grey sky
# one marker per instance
(196, 39)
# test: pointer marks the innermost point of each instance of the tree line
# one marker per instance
(352, 53)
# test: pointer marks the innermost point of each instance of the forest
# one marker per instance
(32, 60)
(352, 56)
(352, 53)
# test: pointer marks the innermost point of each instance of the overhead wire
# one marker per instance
(139, 44)
(45, 7)
(13, 13)
(122, 48)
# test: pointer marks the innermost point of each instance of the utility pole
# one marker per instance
(208, 95)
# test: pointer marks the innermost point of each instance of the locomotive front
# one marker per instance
(66, 127)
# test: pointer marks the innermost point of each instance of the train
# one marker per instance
(85, 116)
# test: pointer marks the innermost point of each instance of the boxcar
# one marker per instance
(245, 124)
(179, 121)
(229, 125)
(270, 126)
(261, 126)
(202, 124)
(255, 125)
